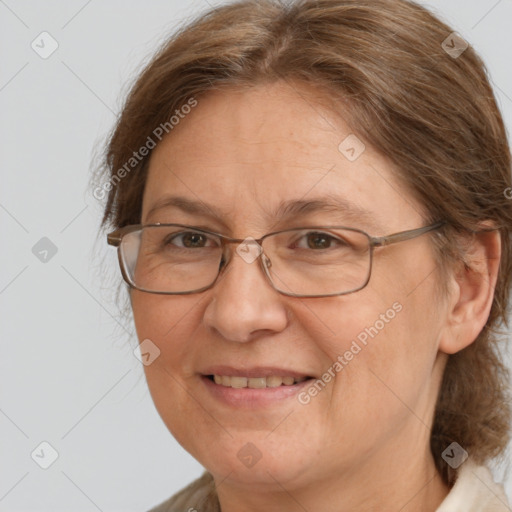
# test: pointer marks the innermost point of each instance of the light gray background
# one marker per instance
(68, 373)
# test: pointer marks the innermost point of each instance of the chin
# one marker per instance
(255, 463)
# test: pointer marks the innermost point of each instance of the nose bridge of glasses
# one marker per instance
(249, 249)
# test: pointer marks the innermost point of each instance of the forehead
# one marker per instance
(246, 152)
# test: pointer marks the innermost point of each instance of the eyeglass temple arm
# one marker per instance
(115, 237)
(404, 235)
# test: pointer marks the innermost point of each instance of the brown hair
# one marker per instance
(434, 115)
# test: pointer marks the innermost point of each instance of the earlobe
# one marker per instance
(473, 282)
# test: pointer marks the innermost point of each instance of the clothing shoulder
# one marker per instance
(199, 496)
(475, 491)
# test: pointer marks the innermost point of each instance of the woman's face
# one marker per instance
(239, 156)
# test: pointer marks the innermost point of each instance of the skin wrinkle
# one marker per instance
(351, 214)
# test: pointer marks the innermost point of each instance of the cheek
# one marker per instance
(159, 316)
(168, 322)
(381, 348)
(347, 325)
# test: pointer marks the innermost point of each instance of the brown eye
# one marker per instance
(319, 241)
(188, 240)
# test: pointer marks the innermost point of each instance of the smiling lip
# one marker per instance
(247, 397)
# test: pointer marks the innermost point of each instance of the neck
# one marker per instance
(411, 484)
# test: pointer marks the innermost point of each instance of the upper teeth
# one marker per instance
(256, 382)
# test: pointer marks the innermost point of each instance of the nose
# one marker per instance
(243, 303)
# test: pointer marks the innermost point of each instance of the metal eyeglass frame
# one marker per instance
(115, 237)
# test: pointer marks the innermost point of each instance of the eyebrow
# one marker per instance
(286, 210)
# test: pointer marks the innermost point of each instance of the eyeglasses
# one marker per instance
(176, 259)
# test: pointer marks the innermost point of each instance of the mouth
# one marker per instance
(255, 387)
(239, 382)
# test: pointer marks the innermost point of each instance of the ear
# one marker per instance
(471, 287)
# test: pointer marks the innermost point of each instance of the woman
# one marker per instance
(309, 206)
